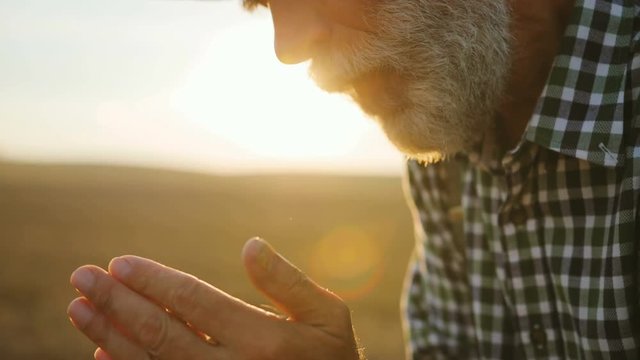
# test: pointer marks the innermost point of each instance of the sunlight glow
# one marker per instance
(240, 92)
(349, 260)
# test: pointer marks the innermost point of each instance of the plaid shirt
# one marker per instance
(535, 254)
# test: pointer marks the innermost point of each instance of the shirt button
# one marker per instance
(518, 215)
(538, 337)
(455, 214)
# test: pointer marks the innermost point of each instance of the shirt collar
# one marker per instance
(580, 112)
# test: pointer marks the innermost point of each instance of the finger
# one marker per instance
(102, 332)
(290, 288)
(144, 322)
(208, 309)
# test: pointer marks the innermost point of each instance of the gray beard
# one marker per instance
(432, 75)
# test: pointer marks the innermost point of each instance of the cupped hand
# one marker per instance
(141, 309)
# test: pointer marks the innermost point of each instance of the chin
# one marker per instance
(431, 133)
(417, 144)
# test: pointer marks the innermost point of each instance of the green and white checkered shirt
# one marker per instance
(535, 254)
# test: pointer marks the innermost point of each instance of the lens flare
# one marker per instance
(347, 260)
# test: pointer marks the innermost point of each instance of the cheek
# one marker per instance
(353, 14)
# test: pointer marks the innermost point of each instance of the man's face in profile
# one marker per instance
(431, 72)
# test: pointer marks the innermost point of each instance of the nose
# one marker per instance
(299, 29)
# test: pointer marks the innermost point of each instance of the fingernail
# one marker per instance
(100, 354)
(121, 267)
(83, 280)
(264, 255)
(80, 313)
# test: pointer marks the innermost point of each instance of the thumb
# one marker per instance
(290, 289)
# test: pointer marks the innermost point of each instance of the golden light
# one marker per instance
(240, 92)
(349, 260)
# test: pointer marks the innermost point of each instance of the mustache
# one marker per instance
(401, 35)
(337, 69)
(432, 74)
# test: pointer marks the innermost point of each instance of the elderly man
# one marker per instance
(520, 119)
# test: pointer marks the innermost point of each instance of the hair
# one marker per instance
(445, 63)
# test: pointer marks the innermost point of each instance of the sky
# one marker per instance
(181, 84)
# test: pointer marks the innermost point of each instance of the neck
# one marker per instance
(537, 28)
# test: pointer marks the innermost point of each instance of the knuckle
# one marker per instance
(341, 313)
(103, 297)
(141, 280)
(342, 310)
(183, 296)
(98, 330)
(154, 331)
(298, 283)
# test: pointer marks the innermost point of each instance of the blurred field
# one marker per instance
(352, 234)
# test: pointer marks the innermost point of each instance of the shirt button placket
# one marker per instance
(518, 215)
(538, 337)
